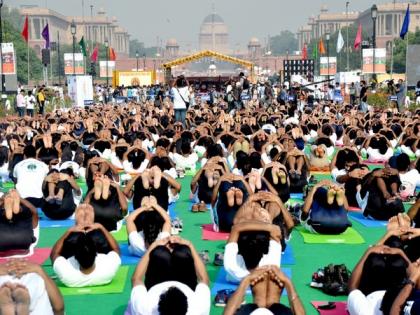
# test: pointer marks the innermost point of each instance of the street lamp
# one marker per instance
(144, 62)
(107, 57)
(73, 33)
(347, 36)
(327, 36)
(3, 78)
(137, 59)
(374, 13)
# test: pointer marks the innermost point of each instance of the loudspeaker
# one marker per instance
(46, 57)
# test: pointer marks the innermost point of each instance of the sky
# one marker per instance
(181, 19)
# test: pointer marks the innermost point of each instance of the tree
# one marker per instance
(286, 40)
(400, 47)
(137, 46)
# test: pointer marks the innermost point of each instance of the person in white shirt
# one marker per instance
(146, 224)
(410, 177)
(30, 102)
(187, 160)
(86, 255)
(176, 280)
(181, 94)
(29, 175)
(4, 163)
(25, 288)
(21, 103)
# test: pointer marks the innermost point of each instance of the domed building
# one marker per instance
(214, 34)
(172, 48)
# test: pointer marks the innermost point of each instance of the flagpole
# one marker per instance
(27, 56)
(406, 60)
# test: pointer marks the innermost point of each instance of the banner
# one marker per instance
(133, 78)
(103, 69)
(68, 64)
(80, 90)
(323, 66)
(380, 60)
(8, 59)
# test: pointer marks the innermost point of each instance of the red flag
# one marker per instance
(94, 56)
(304, 52)
(112, 55)
(321, 46)
(358, 39)
(25, 31)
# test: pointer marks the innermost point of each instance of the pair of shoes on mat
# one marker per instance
(222, 297)
(204, 255)
(218, 259)
(199, 207)
(177, 225)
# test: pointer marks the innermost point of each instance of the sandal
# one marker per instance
(202, 207)
(195, 208)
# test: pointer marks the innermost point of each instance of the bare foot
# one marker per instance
(22, 299)
(8, 207)
(145, 179)
(274, 174)
(239, 197)
(330, 196)
(251, 182)
(106, 183)
(283, 177)
(231, 197)
(7, 307)
(16, 201)
(340, 197)
(97, 189)
(216, 178)
(404, 220)
(157, 177)
(209, 175)
(258, 184)
(393, 224)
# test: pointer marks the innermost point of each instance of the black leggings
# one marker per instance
(107, 212)
(165, 265)
(67, 207)
(98, 237)
(283, 190)
(276, 309)
(17, 234)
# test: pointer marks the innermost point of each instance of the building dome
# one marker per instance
(171, 42)
(254, 42)
(214, 34)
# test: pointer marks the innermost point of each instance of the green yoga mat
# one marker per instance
(350, 236)
(121, 235)
(116, 286)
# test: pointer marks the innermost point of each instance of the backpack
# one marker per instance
(332, 279)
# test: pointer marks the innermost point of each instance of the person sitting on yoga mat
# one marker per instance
(118, 152)
(86, 255)
(135, 160)
(18, 225)
(173, 280)
(25, 288)
(267, 284)
(97, 165)
(108, 201)
(318, 158)
(29, 175)
(146, 224)
(353, 184)
(152, 182)
(378, 148)
(228, 196)
(409, 177)
(277, 176)
(325, 209)
(342, 162)
(58, 189)
(380, 268)
(408, 298)
(380, 193)
(185, 158)
(251, 244)
(203, 183)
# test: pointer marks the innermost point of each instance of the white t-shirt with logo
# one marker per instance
(198, 300)
(30, 174)
(68, 270)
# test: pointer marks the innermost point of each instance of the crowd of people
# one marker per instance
(249, 148)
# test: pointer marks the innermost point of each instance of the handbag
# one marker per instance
(187, 104)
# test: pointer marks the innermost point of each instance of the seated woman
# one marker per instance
(342, 162)
(186, 159)
(135, 160)
(352, 184)
(297, 166)
(251, 244)
(97, 165)
(173, 280)
(19, 229)
(146, 224)
(267, 285)
(58, 189)
(276, 175)
(108, 202)
(87, 254)
(409, 177)
(379, 269)
(380, 193)
(318, 158)
(103, 145)
(228, 196)
(411, 146)
(378, 148)
(118, 152)
(203, 183)
(152, 182)
(25, 288)
(325, 209)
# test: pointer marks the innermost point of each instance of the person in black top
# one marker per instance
(363, 97)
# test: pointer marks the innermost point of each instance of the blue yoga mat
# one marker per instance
(287, 258)
(47, 223)
(221, 283)
(171, 209)
(126, 257)
(367, 222)
(296, 196)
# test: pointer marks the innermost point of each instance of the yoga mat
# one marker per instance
(116, 286)
(340, 308)
(350, 236)
(121, 235)
(287, 257)
(222, 284)
(126, 257)
(44, 222)
(296, 196)
(39, 256)
(209, 235)
(367, 222)
(354, 209)
(320, 172)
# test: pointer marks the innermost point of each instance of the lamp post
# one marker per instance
(107, 57)
(374, 13)
(144, 62)
(137, 60)
(73, 33)
(347, 36)
(3, 78)
(327, 36)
